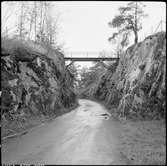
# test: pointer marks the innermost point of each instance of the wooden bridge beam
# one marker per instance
(90, 59)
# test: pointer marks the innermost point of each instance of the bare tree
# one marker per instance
(8, 9)
(22, 19)
(34, 20)
(21, 23)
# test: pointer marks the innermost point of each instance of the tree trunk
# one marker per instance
(136, 27)
(35, 21)
(136, 37)
(31, 22)
(21, 22)
(41, 20)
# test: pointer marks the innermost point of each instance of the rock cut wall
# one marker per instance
(33, 80)
(137, 86)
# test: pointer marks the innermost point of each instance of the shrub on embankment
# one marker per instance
(137, 86)
(34, 82)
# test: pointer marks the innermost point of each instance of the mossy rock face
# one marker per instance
(134, 82)
(128, 100)
(143, 69)
(113, 97)
(6, 98)
(135, 91)
(161, 40)
(30, 78)
(39, 71)
(142, 66)
(152, 108)
(145, 86)
(24, 55)
(127, 87)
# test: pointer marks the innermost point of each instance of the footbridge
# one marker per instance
(90, 56)
(90, 59)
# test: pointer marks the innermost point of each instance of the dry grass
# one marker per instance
(144, 142)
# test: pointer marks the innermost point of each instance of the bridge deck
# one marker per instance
(90, 59)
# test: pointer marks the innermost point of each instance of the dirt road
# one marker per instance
(83, 136)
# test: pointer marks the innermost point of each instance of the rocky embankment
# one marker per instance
(35, 84)
(135, 85)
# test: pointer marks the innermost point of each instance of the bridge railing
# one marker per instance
(89, 54)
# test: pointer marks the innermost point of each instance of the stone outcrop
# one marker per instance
(137, 86)
(34, 81)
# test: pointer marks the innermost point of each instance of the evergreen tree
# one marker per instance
(129, 20)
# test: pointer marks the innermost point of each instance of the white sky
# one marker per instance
(83, 25)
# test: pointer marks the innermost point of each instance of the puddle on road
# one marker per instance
(92, 114)
(85, 110)
(106, 118)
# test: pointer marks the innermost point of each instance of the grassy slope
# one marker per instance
(144, 142)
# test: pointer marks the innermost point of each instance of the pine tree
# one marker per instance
(129, 20)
